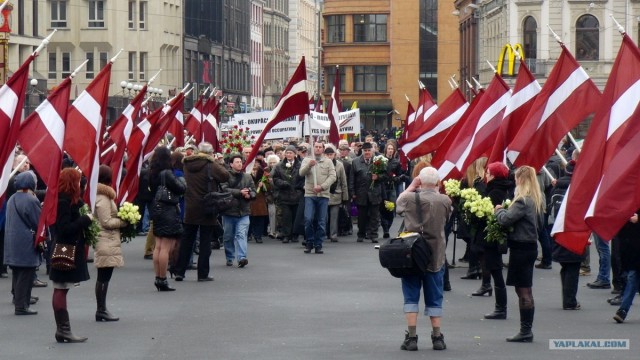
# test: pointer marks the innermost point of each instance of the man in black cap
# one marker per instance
(365, 188)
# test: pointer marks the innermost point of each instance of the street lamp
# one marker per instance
(32, 93)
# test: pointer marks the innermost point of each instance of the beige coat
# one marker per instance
(341, 193)
(325, 173)
(108, 252)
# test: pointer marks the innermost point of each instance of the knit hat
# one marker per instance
(291, 148)
(329, 150)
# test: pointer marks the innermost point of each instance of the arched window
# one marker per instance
(530, 42)
(587, 38)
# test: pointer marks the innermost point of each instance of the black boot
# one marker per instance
(526, 322)
(485, 288)
(163, 285)
(472, 274)
(102, 314)
(446, 282)
(500, 312)
(63, 332)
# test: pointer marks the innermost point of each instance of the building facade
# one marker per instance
(303, 39)
(383, 48)
(257, 46)
(276, 50)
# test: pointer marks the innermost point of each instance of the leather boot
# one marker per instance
(102, 314)
(63, 332)
(500, 312)
(526, 322)
(473, 273)
(446, 282)
(485, 288)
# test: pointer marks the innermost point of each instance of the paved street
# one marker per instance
(289, 305)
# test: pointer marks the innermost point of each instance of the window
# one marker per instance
(96, 13)
(53, 73)
(132, 15)
(587, 38)
(335, 29)
(331, 78)
(369, 28)
(58, 13)
(66, 64)
(143, 15)
(104, 57)
(530, 42)
(89, 67)
(370, 78)
(132, 65)
(143, 65)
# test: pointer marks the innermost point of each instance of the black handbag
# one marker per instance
(63, 257)
(163, 194)
(216, 202)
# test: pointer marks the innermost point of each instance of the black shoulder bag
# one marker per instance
(407, 255)
(164, 194)
(216, 202)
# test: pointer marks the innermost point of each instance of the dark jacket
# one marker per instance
(360, 183)
(498, 190)
(166, 218)
(237, 182)
(286, 183)
(523, 218)
(69, 228)
(629, 237)
(23, 212)
(394, 173)
(195, 173)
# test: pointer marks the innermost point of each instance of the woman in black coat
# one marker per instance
(394, 173)
(499, 189)
(69, 229)
(167, 222)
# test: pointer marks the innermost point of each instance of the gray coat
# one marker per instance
(522, 217)
(23, 212)
(360, 183)
(237, 182)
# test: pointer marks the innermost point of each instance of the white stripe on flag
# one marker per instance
(623, 108)
(90, 109)
(562, 93)
(52, 121)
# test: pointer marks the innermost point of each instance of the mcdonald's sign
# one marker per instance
(508, 52)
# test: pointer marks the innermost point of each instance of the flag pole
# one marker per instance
(491, 65)
(154, 77)
(18, 167)
(562, 158)
(546, 171)
(573, 141)
(44, 42)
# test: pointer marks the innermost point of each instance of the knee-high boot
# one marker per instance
(63, 331)
(526, 323)
(500, 311)
(102, 314)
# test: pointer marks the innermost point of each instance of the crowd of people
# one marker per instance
(308, 191)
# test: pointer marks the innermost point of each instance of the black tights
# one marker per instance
(104, 274)
(498, 278)
(525, 298)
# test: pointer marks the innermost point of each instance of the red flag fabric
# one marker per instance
(566, 98)
(86, 119)
(193, 122)
(12, 95)
(292, 102)
(429, 137)
(120, 133)
(440, 155)
(176, 128)
(211, 124)
(404, 160)
(41, 137)
(334, 110)
(168, 116)
(525, 92)
(426, 108)
(612, 120)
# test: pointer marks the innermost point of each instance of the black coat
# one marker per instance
(629, 237)
(360, 183)
(166, 218)
(69, 228)
(286, 183)
(498, 190)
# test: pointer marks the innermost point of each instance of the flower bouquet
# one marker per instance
(496, 232)
(263, 184)
(91, 234)
(131, 215)
(389, 205)
(236, 139)
(452, 188)
(378, 167)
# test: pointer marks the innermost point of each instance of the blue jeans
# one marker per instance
(432, 286)
(630, 290)
(605, 259)
(315, 219)
(145, 220)
(236, 229)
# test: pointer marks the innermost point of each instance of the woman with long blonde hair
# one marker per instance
(524, 216)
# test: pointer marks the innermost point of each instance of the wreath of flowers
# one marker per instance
(236, 139)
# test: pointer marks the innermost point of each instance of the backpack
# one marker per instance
(554, 207)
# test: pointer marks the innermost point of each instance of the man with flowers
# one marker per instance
(368, 175)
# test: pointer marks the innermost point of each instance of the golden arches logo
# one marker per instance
(509, 52)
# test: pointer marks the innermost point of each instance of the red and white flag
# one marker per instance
(41, 137)
(12, 95)
(120, 133)
(333, 110)
(193, 122)
(429, 137)
(210, 127)
(449, 141)
(476, 137)
(426, 108)
(176, 127)
(85, 120)
(566, 98)
(404, 160)
(601, 190)
(168, 115)
(525, 92)
(292, 102)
